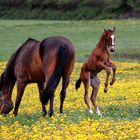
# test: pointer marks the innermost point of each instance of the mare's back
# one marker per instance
(54, 43)
(27, 51)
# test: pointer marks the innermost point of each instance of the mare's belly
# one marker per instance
(36, 76)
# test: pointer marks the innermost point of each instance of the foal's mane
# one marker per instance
(101, 42)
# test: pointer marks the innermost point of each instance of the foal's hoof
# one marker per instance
(111, 83)
(105, 90)
(100, 115)
(90, 111)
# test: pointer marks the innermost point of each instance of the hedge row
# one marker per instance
(69, 9)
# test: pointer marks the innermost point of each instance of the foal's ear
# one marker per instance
(114, 29)
(105, 30)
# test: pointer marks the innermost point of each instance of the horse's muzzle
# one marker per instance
(112, 50)
(6, 107)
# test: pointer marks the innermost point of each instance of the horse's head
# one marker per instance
(5, 105)
(110, 39)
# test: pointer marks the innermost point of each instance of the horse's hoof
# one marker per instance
(44, 114)
(61, 114)
(105, 90)
(111, 83)
(50, 113)
(90, 111)
(15, 114)
(100, 115)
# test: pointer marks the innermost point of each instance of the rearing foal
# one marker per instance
(98, 61)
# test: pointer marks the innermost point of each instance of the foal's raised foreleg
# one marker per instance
(20, 90)
(107, 78)
(41, 87)
(95, 82)
(114, 67)
(108, 71)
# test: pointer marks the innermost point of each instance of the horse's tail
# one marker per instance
(78, 83)
(61, 61)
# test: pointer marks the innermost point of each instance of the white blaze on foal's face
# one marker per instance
(113, 42)
(113, 39)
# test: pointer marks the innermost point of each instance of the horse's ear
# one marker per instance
(105, 30)
(114, 29)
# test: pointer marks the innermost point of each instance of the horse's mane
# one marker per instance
(8, 73)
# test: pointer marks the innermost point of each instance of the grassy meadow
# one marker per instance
(120, 106)
(83, 34)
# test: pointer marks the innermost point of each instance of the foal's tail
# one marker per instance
(61, 61)
(78, 83)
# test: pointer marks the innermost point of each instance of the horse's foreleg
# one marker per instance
(41, 89)
(20, 90)
(114, 74)
(95, 82)
(65, 83)
(107, 78)
(107, 69)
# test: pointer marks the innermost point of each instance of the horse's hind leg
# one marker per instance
(51, 104)
(86, 85)
(65, 82)
(50, 91)
(41, 89)
(20, 90)
(95, 82)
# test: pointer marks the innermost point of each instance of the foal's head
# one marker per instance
(110, 39)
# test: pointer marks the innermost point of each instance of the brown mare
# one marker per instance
(38, 62)
(98, 61)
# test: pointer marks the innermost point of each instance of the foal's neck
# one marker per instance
(102, 44)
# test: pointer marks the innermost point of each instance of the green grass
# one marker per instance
(120, 106)
(83, 34)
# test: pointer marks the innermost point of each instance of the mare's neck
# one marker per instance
(8, 84)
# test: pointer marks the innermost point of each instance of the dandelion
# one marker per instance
(120, 109)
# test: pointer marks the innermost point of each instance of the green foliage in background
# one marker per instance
(69, 9)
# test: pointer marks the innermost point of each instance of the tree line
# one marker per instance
(69, 9)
